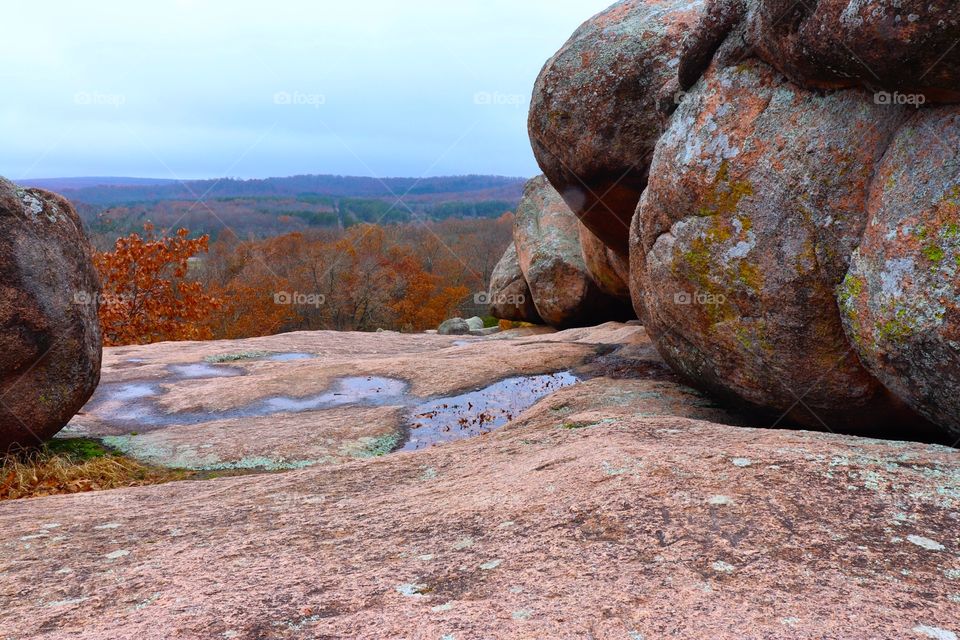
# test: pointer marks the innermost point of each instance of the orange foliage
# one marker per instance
(147, 296)
(402, 277)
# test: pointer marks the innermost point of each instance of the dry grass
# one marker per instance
(73, 466)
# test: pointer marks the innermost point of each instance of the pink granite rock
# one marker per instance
(510, 297)
(582, 519)
(546, 236)
(756, 201)
(49, 330)
(901, 298)
(891, 47)
(594, 118)
(609, 271)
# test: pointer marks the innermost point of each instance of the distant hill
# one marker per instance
(63, 184)
(111, 207)
(117, 191)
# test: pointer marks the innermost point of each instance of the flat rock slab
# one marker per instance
(299, 399)
(628, 527)
(616, 508)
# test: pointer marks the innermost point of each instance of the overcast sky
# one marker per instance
(211, 88)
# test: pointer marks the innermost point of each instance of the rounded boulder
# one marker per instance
(50, 346)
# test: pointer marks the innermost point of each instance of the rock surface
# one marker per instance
(547, 241)
(609, 271)
(256, 404)
(901, 299)
(510, 297)
(903, 46)
(616, 508)
(756, 200)
(49, 331)
(759, 191)
(454, 327)
(594, 119)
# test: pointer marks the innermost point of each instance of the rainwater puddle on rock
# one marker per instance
(368, 391)
(131, 407)
(135, 391)
(195, 371)
(471, 414)
(291, 357)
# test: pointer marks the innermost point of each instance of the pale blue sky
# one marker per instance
(210, 88)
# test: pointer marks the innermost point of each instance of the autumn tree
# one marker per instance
(148, 294)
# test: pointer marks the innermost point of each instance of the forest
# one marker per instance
(160, 286)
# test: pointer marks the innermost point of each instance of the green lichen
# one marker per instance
(572, 426)
(896, 330)
(953, 196)
(933, 253)
(379, 446)
(847, 294)
(750, 275)
(723, 195)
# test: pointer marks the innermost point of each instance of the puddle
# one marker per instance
(481, 411)
(193, 371)
(135, 391)
(122, 408)
(364, 391)
(291, 357)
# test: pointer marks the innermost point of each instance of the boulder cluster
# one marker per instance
(776, 187)
(556, 271)
(50, 343)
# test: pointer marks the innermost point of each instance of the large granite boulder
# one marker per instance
(594, 120)
(895, 47)
(755, 203)
(547, 240)
(901, 299)
(49, 332)
(609, 271)
(510, 297)
(749, 132)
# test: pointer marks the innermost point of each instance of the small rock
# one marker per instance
(454, 327)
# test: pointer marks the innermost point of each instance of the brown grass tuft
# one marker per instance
(44, 472)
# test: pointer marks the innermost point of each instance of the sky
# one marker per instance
(188, 89)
